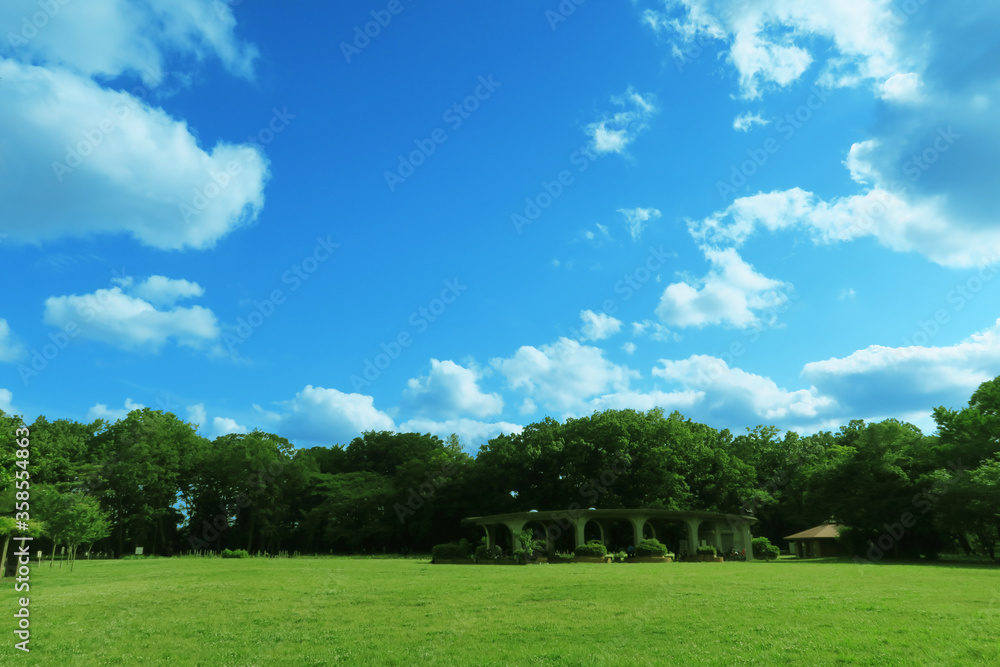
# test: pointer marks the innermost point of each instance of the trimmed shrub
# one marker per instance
(594, 548)
(707, 550)
(484, 553)
(763, 549)
(450, 551)
(651, 548)
(235, 553)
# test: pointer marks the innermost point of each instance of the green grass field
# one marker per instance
(320, 611)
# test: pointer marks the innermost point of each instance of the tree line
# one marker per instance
(150, 480)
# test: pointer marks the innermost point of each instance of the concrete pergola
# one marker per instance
(557, 522)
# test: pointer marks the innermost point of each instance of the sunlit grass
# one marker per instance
(406, 612)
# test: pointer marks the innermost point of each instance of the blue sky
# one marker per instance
(334, 217)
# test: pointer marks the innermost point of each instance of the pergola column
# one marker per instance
(692, 525)
(718, 537)
(637, 524)
(747, 540)
(514, 525)
(491, 539)
(579, 524)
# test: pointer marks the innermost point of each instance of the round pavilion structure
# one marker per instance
(722, 531)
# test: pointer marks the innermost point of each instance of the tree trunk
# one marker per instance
(52, 558)
(963, 541)
(156, 535)
(3, 560)
(253, 515)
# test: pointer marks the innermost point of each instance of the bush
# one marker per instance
(450, 551)
(235, 553)
(594, 548)
(763, 549)
(707, 550)
(484, 553)
(651, 548)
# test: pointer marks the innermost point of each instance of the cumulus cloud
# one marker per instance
(564, 375)
(451, 390)
(102, 411)
(163, 291)
(10, 349)
(6, 402)
(732, 294)
(887, 210)
(911, 377)
(225, 426)
(98, 161)
(772, 43)
(218, 426)
(637, 218)
(598, 326)
(328, 416)
(734, 396)
(92, 159)
(108, 38)
(117, 316)
(472, 433)
(647, 400)
(923, 185)
(745, 121)
(613, 133)
(197, 415)
(655, 331)
(903, 88)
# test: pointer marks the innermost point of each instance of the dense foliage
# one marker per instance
(149, 480)
(651, 547)
(592, 549)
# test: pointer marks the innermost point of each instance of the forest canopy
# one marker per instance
(150, 480)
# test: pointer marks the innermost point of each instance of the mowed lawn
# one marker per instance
(320, 611)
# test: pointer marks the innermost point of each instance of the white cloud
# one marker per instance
(745, 121)
(95, 160)
(564, 375)
(769, 41)
(102, 411)
(612, 134)
(117, 317)
(473, 433)
(451, 390)
(734, 396)
(903, 88)
(887, 211)
(598, 326)
(645, 401)
(10, 349)
(328, 416)
(225, 426)
(6, 398)
(656, 331)
(98, 161)
(108, 38)
(847, 294)
(219, 426)
(628, 348)
(732, 294)
(197, 415)
(636, 219)
(162, 291)
(912, 377)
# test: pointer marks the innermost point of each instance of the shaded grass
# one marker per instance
(404, 612)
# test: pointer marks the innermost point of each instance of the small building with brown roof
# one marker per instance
(818, 542)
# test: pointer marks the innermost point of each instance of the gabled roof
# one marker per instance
(826, 530)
